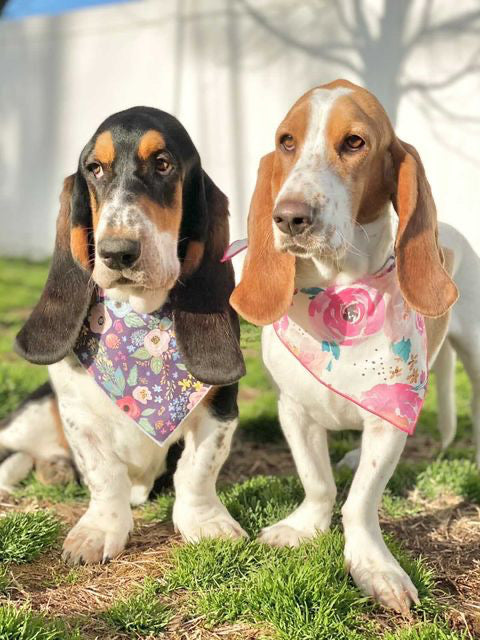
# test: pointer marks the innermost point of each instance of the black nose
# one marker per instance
(293, 217)
(119, 253)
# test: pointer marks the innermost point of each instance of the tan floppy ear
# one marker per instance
(425, 284)
(50, 332)
(265, 291)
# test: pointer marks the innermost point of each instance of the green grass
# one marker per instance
(301, 593)
(20, 623)
(31, 487)
(141, 614)
(25, 536)
(457, 477)
(21, 283)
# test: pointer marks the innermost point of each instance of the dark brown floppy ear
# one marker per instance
(206, 327)
(54, 324)
(425, 284)
(265, 291)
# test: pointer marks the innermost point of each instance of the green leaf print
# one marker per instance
(133, 376)
(156, 365)
(134, 320)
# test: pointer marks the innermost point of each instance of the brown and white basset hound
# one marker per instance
(321, 216)
(141, 220)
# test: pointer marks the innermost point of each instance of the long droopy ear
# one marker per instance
(425, 284)
(265, 291)
(207, 328)
(54, 324)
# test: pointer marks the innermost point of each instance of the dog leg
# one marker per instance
(350, 460)
(309, 446)
(13, 470)
(372, 566)
(102, 532)
(198, 512)
(444, 368)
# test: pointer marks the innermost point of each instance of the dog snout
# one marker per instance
(293, 217)
(119, 253)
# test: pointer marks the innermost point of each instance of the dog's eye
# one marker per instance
(96, 168)
(287, 142)
(354, 143)
(163, 164)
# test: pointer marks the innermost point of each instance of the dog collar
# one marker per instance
(363, 342)
(134, 358)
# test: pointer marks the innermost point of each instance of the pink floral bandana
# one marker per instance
(134, 358)
(363, 342)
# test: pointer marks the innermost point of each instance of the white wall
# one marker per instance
(230, 69)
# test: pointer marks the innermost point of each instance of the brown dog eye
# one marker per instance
(287, 142)
(163, 165)
(96, 168)
(353, 143)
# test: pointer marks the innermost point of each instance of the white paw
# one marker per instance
(350, 460)
(210, 520)
(90, 542)
(139, 494)
(380, 576)
(303, 524)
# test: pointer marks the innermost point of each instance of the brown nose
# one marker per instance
(292, 216)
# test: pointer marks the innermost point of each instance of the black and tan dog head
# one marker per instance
(143, 221)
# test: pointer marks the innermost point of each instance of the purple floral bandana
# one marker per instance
(134, 358)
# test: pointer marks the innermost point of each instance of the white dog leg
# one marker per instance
(102, 532)
(198, 512)
(444, 368)
(13, 470)
(372, 566)
(309, 446)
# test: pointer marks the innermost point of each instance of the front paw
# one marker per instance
(90, 542)
(306, 522)
(379, 575)
(210, 520)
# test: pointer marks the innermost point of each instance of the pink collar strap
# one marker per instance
(363, 342)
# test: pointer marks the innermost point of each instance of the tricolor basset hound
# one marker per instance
(320, 217)
(142, 221)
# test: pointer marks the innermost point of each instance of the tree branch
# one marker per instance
(462, 24)
(472, 66)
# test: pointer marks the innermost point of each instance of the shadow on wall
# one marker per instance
(377, 51)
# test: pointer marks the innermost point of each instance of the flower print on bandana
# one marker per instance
(99, 319)
(363, 342)
(134, 358)
(156, 342)
(347, 315)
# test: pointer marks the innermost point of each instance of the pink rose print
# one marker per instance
(130, 407)
(142, 394)
(194, 399)
(316, 360)
(99, 318)
(112, 341)
(397, 402)
(347, 316)
(156, 342)
(398, 318)
(118, 326)
(282, 324)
